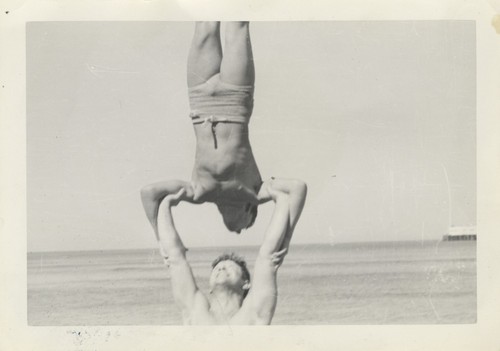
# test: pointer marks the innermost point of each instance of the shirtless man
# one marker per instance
(221, 99)
(232, 300)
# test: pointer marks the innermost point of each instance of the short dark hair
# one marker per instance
(253, 212)
(240, 261)
(250, 208)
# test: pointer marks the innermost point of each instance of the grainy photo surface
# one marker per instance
(378, 118)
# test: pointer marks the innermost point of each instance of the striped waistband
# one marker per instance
(198, 118)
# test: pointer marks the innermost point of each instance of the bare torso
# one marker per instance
(202, 313)
(224, 162)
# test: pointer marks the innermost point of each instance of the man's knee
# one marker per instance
(236, 30)
(206, 32)
(238, 25)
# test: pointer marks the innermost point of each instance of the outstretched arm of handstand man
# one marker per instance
(296, 191)
(153, 194)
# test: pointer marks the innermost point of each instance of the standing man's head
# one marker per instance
(230, 272)
(238, 216)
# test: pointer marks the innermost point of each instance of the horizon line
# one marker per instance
(232, 246)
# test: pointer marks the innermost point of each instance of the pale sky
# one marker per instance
(377, 117)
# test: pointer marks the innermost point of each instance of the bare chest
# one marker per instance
(204, 316)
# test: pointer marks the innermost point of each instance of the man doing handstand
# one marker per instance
(220, 90)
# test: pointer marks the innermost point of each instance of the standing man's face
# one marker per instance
(227, 273)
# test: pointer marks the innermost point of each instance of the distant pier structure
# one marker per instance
(457, 233)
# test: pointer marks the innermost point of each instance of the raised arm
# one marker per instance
(296, 190)
(153, 194)
(262, 297)
(184, 286)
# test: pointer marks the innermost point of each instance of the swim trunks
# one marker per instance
(216, 101)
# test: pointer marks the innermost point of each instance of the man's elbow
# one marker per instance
(148, 192)
(298, 189)
(301, 187)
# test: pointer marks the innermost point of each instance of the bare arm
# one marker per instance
(153, 194)
(284, 185)
(297, 191)
(288, 207)
(184, 285)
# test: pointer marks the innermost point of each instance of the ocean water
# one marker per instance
(371, 283)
